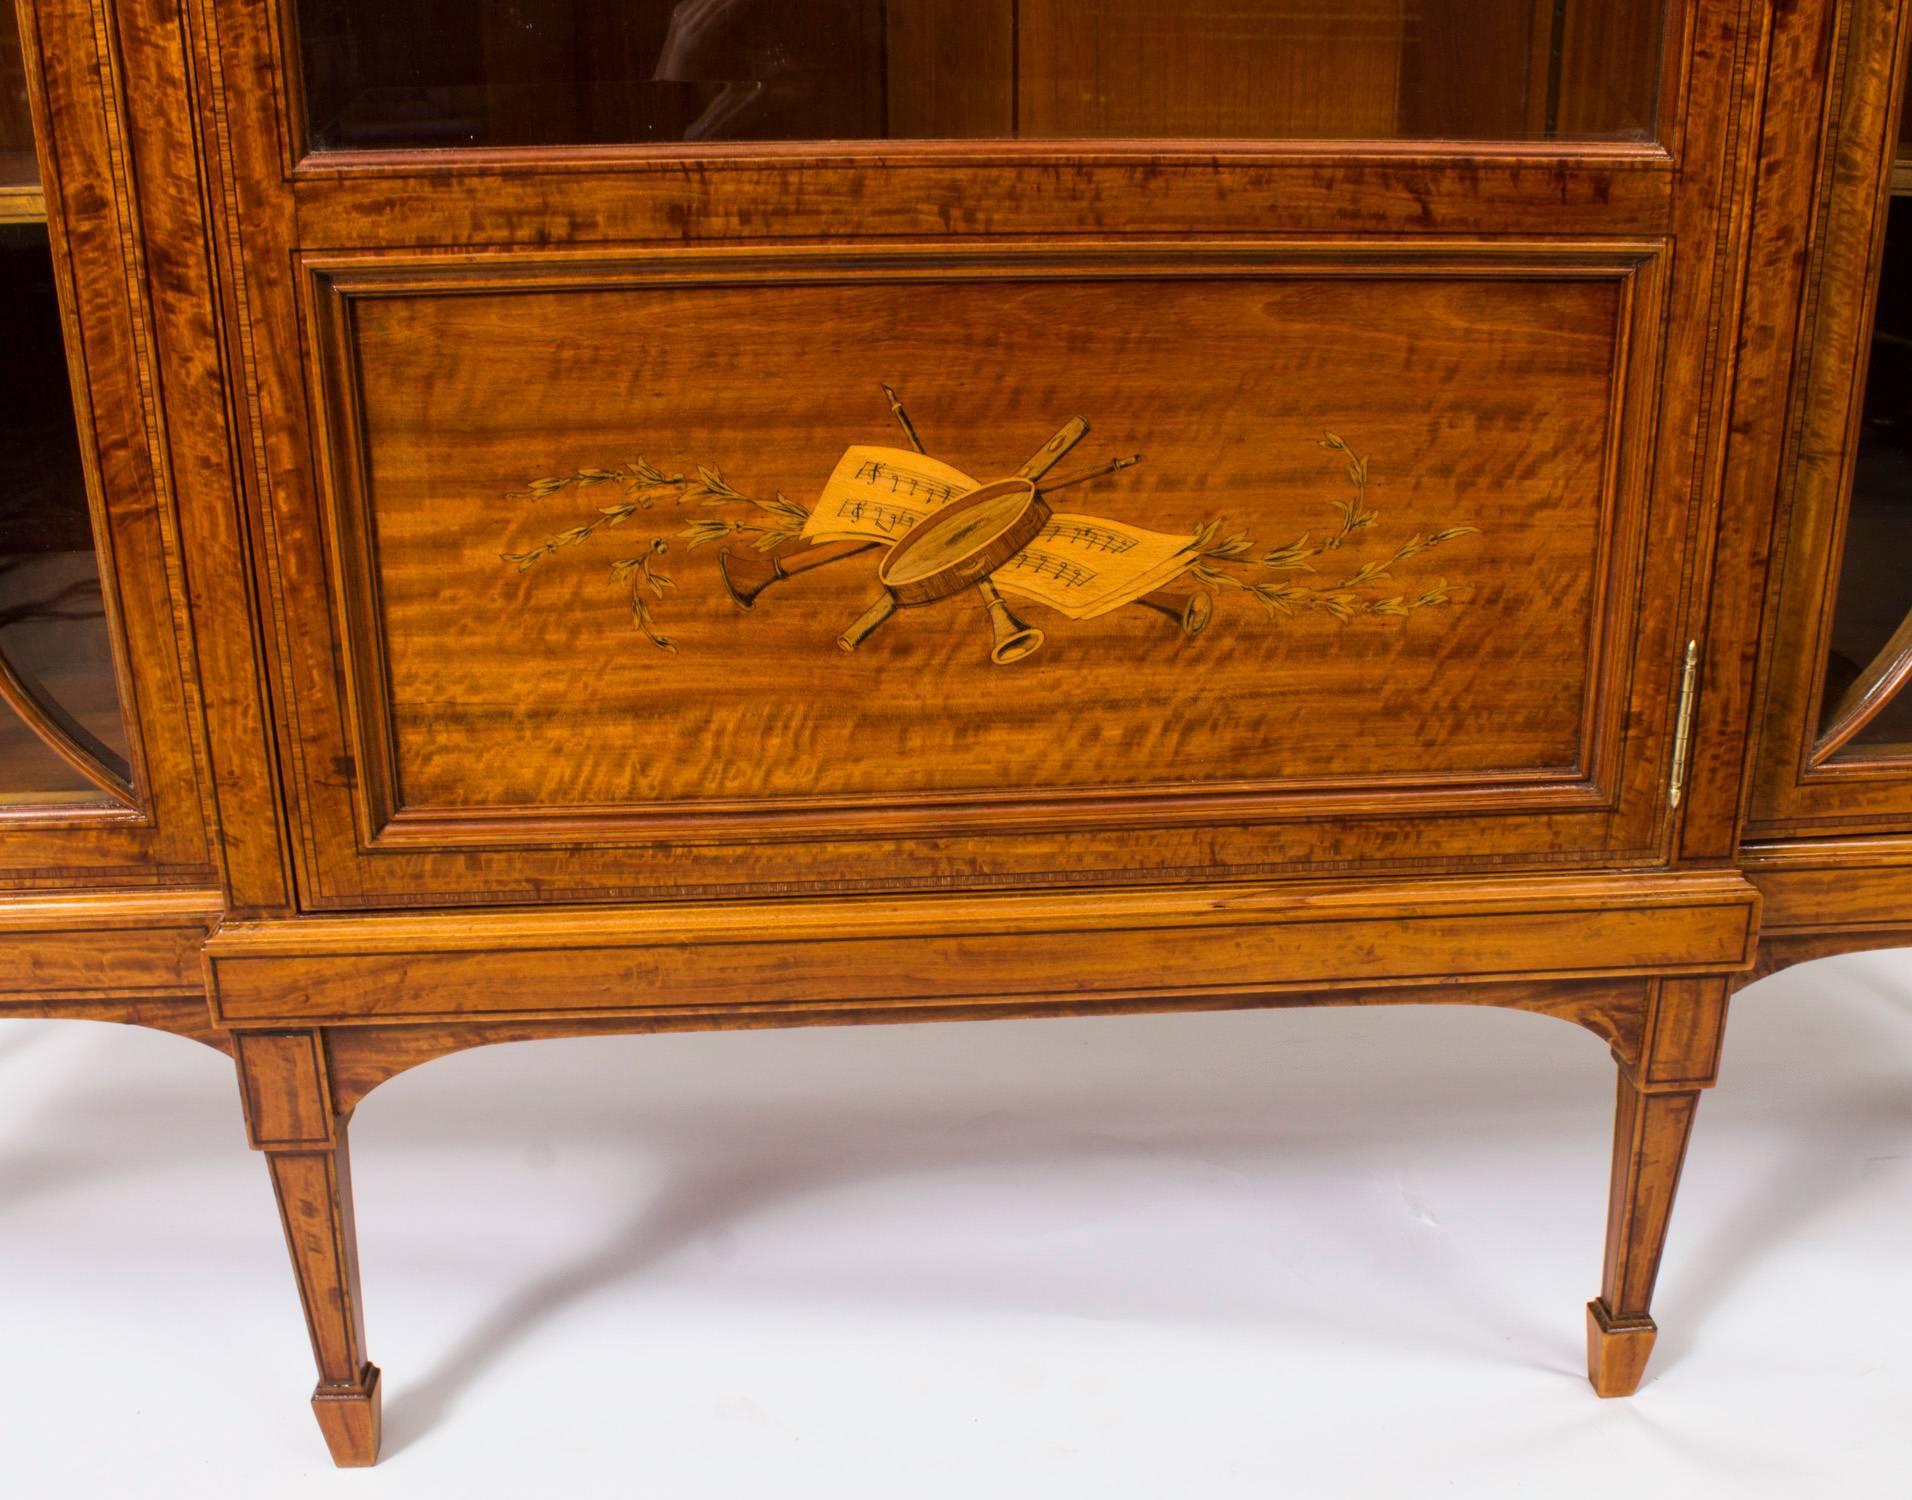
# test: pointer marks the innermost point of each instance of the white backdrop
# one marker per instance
(1294, 1253)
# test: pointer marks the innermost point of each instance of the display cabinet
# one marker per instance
(627, 516)
(779, 514)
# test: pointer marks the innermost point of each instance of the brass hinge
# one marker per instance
(1683, 726)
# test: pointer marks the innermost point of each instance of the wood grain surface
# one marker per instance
(1495, 415)
(1493, 422)
(892, 953)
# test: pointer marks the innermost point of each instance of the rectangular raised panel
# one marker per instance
(1402, 492)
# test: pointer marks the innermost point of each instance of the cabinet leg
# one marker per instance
(1659, 1093)
(1649, 1144)
(290, 1118)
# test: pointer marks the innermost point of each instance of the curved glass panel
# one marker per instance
(53, 632)
(1872, 621)
(17, 167)
(450, 73)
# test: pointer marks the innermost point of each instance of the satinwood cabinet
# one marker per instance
(548, 517)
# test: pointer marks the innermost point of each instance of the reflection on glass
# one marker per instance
(1874, 610)
(446, 73)
(53, 631)
(17, 167)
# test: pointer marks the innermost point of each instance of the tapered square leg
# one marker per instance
(290, 1117)
(1659, 1093)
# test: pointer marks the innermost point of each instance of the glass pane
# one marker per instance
(17, 168)
(425, 73)
(1875, 578)
(53, 632)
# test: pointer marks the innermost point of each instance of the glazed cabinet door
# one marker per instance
(768, 446)
(97, 773)
(1836, 745)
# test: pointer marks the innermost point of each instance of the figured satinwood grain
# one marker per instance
(98, 946)
(1824, 886)
(616, 196)
(283, 1085)
(1686, 1019)
(181, 1015)
(889, 954)
(206, 438)
(1781, 950)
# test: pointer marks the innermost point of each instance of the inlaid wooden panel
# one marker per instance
(1380, 563)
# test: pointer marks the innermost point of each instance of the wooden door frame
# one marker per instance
(1813, 323)
(158, 833)
(274, 201)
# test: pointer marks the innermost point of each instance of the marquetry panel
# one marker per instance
(1320, 480)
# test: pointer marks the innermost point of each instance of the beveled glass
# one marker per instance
(461, 73)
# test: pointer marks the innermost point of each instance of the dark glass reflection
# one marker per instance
(53, 630)
(17, 167)
(447, 73)
(1875, 579)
